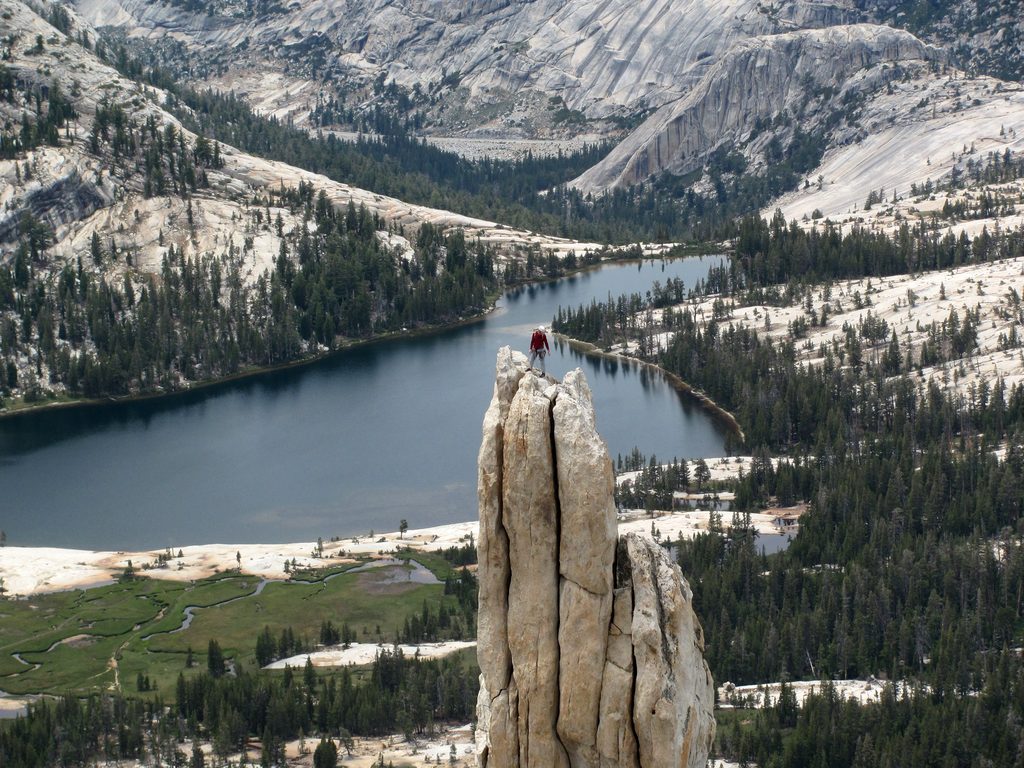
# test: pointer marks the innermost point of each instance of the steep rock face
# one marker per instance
(77, 192)
(671, 701)
(530, 515)
(600, 56)
(585, 557)
(590, 653)
(65, 199)
(756, 81)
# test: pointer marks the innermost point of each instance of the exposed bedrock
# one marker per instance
(63, 200)
(603, 57)
(590, 653)
(755, 81)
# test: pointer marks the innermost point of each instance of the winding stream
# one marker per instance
(189, 611)
(417, 574)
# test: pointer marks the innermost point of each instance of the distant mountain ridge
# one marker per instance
(598, 57)
(808, 76)
(679, 82)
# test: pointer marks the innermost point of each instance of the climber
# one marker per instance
(539, 347)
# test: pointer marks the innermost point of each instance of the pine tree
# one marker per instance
(215, 659)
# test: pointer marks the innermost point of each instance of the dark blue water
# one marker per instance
(355, 442)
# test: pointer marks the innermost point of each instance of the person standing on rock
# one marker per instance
(539, 347)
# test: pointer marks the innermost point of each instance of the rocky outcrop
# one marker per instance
(988, 37)
(590, 653)
(64, 200)
(754, 83)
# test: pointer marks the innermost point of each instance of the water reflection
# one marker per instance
(356, 441)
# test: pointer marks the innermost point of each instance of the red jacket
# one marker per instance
(539, 341)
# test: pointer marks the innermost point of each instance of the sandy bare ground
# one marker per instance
(366, 653)
(420, 751)
(32, 570)
(13, 706)
(864, 691)
(673, 525)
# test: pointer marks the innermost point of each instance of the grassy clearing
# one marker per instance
(21, 619)
(74, 635)
(216, 589)
(75, 668)
(359, 599)
(79, 638)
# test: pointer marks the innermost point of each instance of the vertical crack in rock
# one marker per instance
(558, 543)
(585, 560)
(530, 514)
(497, 701)
(590, 654)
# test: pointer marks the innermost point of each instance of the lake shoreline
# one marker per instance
(21, 409)
(31, 570)
(335, 449)
(718, 412)
(249, 373)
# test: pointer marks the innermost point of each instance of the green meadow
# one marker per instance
(105, 638)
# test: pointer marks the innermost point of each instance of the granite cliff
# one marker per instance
(747, 90)
(500, 61)
(705, 91)
(589, 649)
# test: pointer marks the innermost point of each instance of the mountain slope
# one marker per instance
(73, 180)
(700, 93)
(139, 256)
(799, 77)
(922, 134)
(504, 65)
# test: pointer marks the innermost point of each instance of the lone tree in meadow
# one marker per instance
(702, 474)
(215, 659)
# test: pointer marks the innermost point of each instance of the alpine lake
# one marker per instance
(354, 442)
